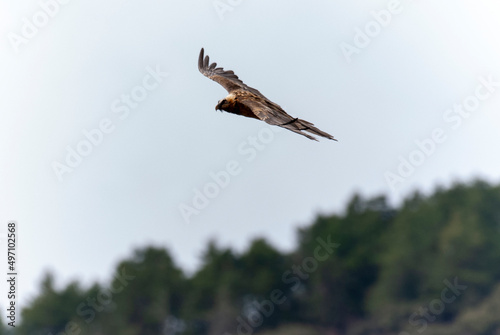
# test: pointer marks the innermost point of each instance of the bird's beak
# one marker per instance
(219, 107)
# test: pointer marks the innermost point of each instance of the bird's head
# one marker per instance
(221, 105)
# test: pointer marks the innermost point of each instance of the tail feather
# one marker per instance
(300, 126)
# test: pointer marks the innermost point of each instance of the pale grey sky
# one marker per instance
(417, 75)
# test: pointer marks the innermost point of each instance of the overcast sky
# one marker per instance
(110, 140)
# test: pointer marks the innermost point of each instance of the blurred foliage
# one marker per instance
(430, 265)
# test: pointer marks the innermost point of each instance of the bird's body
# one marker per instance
(231, 104)
(249, 102)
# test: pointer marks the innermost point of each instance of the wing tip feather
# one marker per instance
(200, 59)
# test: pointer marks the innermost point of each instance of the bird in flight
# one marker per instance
(247, 101)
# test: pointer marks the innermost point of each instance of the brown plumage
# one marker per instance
(247, 101)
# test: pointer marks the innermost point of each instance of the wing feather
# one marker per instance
(273, 114)
(227, 79)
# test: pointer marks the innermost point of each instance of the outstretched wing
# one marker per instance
(227, 79)
(273, 114)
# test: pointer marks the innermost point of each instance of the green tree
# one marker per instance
(52, 311)
(261, 269)
(211, 305)
(452, 233)
(335, 293)
(153, 290)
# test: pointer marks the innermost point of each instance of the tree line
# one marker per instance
(431, 264)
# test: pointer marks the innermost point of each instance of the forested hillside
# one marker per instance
(432, 265)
